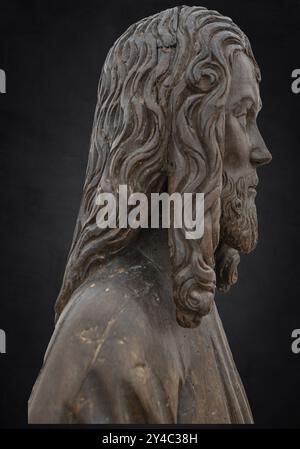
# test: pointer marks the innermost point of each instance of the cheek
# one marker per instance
(237, 145)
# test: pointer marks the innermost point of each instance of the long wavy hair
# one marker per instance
(160, 121)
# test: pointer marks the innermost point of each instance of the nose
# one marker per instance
(260, 155)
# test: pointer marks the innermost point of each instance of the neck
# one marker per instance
(153, 244)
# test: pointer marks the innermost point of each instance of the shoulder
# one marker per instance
(107, 336)
(126, 300)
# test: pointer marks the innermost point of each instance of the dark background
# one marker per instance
(52, 53)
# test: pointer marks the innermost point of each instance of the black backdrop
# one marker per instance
(52, 53)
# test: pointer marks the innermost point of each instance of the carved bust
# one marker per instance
(138, 338)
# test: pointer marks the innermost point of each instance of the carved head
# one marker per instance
(177, 104)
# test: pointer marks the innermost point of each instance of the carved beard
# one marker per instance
(238, 224)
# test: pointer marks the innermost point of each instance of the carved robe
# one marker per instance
(117, 354)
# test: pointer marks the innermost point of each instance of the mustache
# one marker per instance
(238, 190)
(250, 180)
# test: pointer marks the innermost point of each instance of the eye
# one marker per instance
(244, 112)
(246, 117)
(243, 119)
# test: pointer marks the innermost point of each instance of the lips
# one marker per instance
(252, 189)
(253, 182)
(252, 186)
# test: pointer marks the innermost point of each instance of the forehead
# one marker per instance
(244, 84)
